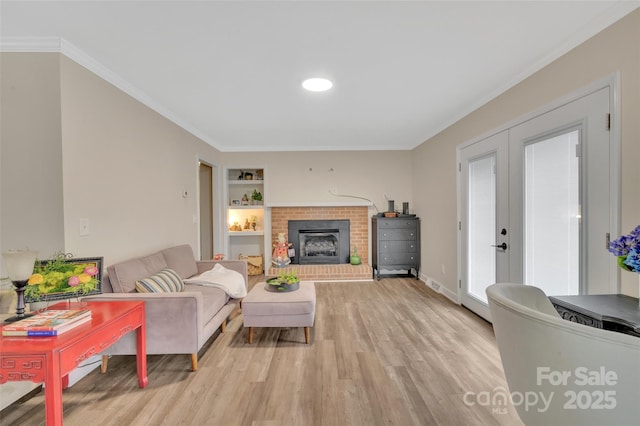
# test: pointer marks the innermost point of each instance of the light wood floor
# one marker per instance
(389, 352)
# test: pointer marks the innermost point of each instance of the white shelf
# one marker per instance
(246, 182)
(255, 206)
(245, 233)
(248, 242)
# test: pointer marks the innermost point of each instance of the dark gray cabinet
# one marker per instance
(395, 245)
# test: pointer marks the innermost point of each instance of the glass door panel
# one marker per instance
(484, 215)
(482, 225)
(552, 214)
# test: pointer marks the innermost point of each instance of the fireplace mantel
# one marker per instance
(352, 203)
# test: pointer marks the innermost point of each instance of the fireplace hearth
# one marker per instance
(319, 242)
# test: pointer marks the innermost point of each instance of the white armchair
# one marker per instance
(560, 372)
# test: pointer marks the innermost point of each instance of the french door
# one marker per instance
(485, 242)
(535, 204)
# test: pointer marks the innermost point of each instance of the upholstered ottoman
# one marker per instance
(262, 308)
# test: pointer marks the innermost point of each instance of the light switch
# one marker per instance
(84, 227)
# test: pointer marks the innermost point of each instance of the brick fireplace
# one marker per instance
(358, 217)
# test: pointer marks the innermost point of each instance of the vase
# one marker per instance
(355, 259)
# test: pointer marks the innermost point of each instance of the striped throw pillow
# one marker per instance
(165, 281)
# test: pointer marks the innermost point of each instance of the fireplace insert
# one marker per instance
(319, 242)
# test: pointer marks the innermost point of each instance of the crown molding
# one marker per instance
(30, 44)
(64, 47)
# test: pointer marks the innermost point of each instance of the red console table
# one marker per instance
(49, 360)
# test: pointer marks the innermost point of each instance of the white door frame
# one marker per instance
(613, 82)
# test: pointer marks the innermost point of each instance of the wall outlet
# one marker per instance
(444, 272)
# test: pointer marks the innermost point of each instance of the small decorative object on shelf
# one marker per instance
(245, 200)
(280, 257)
(284, 282)
(256, 197)
(235, 227)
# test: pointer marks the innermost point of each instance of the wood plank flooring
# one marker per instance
(389, 352)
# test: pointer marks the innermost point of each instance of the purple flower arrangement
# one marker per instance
(627, 249)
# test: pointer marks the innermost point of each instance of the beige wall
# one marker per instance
(434, 163)
(31, 213)
(73, 147)
(125, 169)
(368, 174)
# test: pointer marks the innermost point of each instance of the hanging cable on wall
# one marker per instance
(354, 196)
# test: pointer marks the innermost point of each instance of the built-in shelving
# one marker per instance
(243, 186)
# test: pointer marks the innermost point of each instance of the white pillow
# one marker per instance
(230, 281)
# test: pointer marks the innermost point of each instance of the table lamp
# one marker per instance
(19, 266)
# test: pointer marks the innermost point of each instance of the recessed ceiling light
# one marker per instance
(317, 84)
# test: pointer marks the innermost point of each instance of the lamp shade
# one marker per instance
(19, 264)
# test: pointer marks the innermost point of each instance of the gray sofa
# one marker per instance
(177, 323)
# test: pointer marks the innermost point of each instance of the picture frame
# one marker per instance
(236, 202)
(64, 277)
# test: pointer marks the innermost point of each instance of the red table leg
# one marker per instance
(141, 355)
(53, 390)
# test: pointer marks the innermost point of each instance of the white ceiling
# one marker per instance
(231, 71)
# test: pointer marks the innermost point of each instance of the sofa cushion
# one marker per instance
(123, 275)
(165, 281)
(181, 260)
(213, 299)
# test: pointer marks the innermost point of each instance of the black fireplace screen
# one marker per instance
(319, 241)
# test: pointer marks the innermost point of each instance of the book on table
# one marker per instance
(48, 323)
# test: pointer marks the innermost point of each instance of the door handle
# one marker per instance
(503, 246)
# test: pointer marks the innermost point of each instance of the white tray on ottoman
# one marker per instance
(262, 308)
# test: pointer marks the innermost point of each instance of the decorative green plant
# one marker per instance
(256, 195)
(285, 277)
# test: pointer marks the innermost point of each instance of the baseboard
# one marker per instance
(436, 286)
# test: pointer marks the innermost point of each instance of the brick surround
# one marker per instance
(358, 227)
(358, 235)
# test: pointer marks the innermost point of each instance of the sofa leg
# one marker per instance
(223, 326)
(105, 361)
(194, 362)
(250, 335)
(306, 335)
